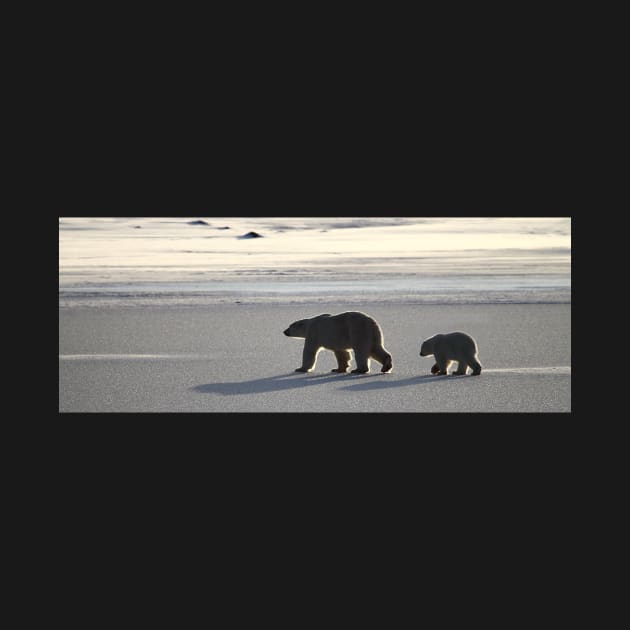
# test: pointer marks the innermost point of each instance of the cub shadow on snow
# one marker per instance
(419, 379)
(297, 380)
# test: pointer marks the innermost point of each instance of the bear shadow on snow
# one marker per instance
(280, 382)
(419, 379)
(293, 380)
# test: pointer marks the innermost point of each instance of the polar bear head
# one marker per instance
(298, 329)
(426, 349)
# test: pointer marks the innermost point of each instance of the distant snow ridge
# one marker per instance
(358, 223)
(327, 223)
(411, 259)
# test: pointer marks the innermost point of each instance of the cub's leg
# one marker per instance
(309, 356)
(443, 365)
(476, 366)
(435, 368)
(343, 360)
(462, 366)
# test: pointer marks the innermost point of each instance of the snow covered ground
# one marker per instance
(234, 358)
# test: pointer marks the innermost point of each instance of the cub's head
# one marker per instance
(426, 348)
(297, 329)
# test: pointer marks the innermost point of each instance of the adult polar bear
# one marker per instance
(341, 333)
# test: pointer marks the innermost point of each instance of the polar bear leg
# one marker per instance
(343, 361)
(383, 357)
(462, 366)
(476, 366)
(362, 348)
(309, 356)
(443, 364)
(362, 359)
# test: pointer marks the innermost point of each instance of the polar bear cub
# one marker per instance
(449, 347)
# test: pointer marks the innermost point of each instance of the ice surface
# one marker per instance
(235, 358)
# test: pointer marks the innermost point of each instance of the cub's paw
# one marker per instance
(387, 368)
(435, 369)
(301, 369)
(358, 371)
(340, 371)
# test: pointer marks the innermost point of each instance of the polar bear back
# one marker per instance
(345, 330)
(455, 346)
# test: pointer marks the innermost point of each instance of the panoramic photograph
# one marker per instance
(315, 314)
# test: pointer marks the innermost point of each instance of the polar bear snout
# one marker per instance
(286, 332)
